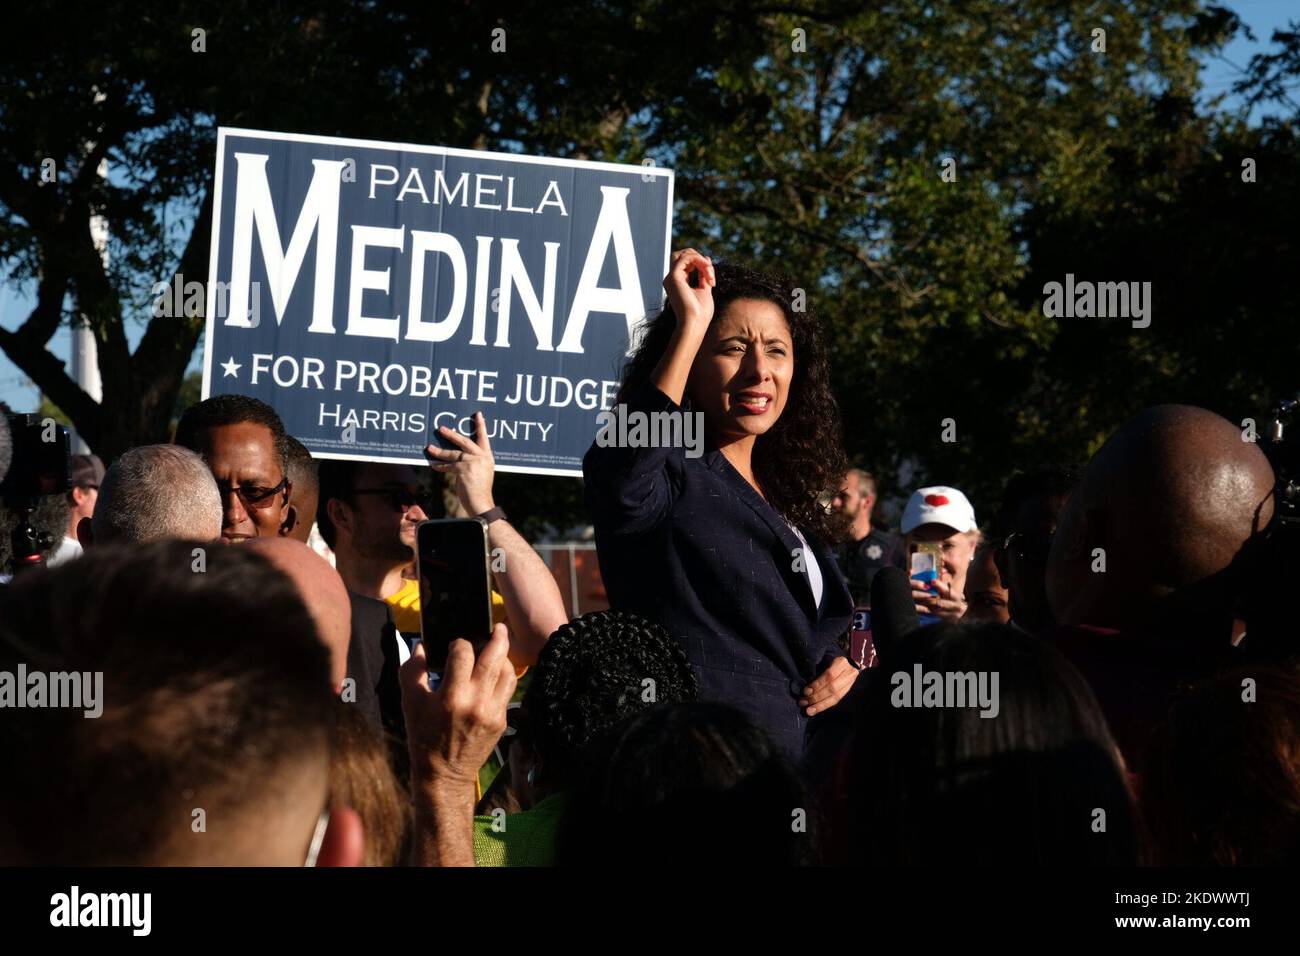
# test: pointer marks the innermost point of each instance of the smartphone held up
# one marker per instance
(452, 561)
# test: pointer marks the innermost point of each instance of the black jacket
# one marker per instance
(689, 543)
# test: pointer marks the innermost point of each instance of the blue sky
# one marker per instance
(1218, 75)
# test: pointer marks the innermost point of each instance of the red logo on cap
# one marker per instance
(936, 500)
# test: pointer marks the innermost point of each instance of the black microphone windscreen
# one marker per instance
(893, 610)
(6, 446)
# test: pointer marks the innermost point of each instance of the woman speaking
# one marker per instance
(728, 548)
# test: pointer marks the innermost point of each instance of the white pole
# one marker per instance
(85, 356)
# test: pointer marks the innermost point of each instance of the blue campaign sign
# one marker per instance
(371, 292)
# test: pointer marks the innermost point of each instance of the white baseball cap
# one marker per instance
(938, 504)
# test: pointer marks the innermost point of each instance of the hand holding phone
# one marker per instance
(452, 562)
(926, 569)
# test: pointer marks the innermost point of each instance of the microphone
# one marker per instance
(6, 443)
(893, 611)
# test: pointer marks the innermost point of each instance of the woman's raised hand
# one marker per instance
(692, 306)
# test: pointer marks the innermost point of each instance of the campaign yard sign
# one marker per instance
(373, 291)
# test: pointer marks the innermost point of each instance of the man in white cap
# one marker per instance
(943, 516)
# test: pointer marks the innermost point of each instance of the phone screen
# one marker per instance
(455, 586)
(927, 563)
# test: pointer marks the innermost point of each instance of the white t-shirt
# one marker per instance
(814, 569)
(69, 548)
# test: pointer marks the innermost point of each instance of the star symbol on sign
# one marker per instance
(874, 552)
(230, 367)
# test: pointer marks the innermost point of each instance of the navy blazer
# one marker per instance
(689, 543)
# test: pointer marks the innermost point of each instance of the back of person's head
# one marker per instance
(687, 783)
(154, 492)
(593, 673)
(1029, 487)
(1222, 779)
(1021, 538)
(199, 731)
(1169, 503)
(336, 479)
(982, 745)
(362, 778)
(303, 472)
(322, 591)
(221, 410)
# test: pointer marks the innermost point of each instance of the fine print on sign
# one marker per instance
(371, 292)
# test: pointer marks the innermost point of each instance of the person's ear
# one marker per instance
(85, 534)
(290, 521)
(537, 774)
(1000, 562)
(339, 514)
(345, 839)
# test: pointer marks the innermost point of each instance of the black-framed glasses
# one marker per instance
(254, 496)
(1029, 547)
(400, 499)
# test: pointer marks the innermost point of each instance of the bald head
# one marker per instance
(155, 492)
(1170, 500)
(321, 590)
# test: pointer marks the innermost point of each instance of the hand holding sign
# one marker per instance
(472, 464)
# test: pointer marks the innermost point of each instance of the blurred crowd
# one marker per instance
(255, 615)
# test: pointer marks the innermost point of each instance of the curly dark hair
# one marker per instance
(801, 458)
(688, 782)
(591, 675)
(232, 410)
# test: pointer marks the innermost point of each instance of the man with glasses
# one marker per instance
(1027, 518)
(245, 446)
(368, 514)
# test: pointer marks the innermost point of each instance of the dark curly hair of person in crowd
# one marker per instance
(593, 673)
(688, 783)
(800, 462)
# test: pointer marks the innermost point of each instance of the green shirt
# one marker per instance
(520, 839)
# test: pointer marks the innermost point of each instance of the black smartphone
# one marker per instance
(455, 585)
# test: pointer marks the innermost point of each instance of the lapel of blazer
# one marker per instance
(800, 584)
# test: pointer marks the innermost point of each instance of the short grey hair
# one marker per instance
(866, 481)
(154, 492)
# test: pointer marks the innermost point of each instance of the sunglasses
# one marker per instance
(1029, 547)
(401, 499)
(253, 496)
